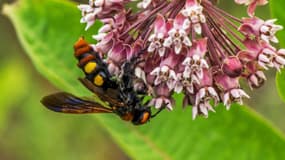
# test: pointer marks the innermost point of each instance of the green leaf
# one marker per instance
(48, 29)
(43, 133)
(277, 11)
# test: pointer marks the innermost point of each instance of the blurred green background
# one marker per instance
(29, 131)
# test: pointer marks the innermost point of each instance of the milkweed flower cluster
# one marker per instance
(189, 46)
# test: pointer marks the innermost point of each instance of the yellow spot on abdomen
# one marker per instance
(98, 80)
(145, 117)
(89, 67)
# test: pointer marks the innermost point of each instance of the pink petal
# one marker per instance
(252, 45)
(199, 47)
(179, 21)
(159, 23)
(190, 3)
(251, 8)
(207, 79)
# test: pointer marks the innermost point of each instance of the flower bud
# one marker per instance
(232, 66)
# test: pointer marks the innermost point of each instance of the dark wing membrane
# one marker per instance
(68, 103)
(110, 95)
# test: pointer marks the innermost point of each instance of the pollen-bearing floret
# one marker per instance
(190, 47)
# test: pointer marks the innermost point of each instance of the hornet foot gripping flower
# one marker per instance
(190, 47)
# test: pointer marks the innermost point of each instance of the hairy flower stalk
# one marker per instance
(188, 46)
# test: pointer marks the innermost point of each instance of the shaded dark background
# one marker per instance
(29, 131)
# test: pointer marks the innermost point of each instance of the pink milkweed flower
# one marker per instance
(255, 76)
(194, 12)
(178, 36)
(194, 62)
(279, 59)
(99, 8)
(265, 54)
(232, 66)
(88, 14)
(165, 73)
(252, 4)
(190, 47)
(230, 90)
(162, 97)
(205, 92)
(266, 30)
(157, 39)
